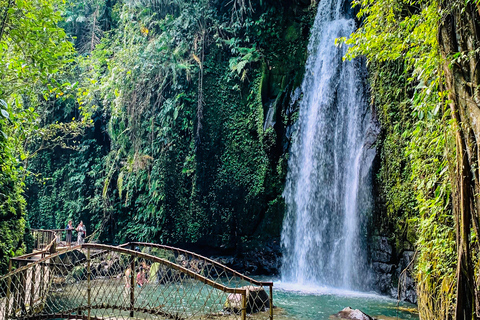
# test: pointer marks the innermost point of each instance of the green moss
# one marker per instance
(395, 193)
(293, 32)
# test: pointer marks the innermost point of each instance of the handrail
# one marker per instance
(145, 244)
(53, 232)
(236, 273)
(47, 248)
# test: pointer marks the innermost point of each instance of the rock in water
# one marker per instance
(257, 300)
(352, 314)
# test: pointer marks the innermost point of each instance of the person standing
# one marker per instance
(69, 229)
(141, 279)
(82, 233)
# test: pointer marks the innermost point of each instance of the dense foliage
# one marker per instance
(33, 49)
(180, 149)
(171, 123)
(401, 41)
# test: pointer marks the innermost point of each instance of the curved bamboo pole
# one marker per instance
(236, 273)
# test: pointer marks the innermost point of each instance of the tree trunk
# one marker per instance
(458, 37)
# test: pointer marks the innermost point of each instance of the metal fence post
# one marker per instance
(89, 288)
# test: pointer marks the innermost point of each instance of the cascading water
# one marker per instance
(328, 188)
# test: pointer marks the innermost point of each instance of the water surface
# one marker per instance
(319, 303)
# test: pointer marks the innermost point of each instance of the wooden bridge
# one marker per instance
(131, 281)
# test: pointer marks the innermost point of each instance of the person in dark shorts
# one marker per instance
(69, 229)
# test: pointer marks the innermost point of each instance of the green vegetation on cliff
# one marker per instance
(425, 86)
(170, 121)
(188, 102)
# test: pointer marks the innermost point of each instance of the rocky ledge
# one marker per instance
(389, 269)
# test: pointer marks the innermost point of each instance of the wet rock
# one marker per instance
(381, 250)
(387, 272)
(351, 314)
(383, 267)
(71, 257)
(407, 284)
(383, 277)
(257, 300)
(261, 261)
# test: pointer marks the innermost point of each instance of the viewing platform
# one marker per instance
(132, 281)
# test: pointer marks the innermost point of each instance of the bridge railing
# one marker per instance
(95, 281)
(260, 293)
(44, 240)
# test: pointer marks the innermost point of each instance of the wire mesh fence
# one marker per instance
(259, 293)
(137, 281)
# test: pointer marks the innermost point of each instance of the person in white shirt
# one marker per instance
(82, 233)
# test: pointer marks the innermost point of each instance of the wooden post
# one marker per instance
(41, 286)
(9, 283)
(132, 284)
(244, 305)
(271, 302)
(23, 289)
(89, 288)
(32, 291)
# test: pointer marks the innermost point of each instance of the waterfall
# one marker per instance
(328, 187)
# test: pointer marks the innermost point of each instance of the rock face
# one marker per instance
(387, 267)
(351, 314)
(381, 250)
(261, 261)
(257, 300)
(407, 284)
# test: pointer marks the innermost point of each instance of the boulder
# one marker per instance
(257, 300)
(71, 257)
(351, 314)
